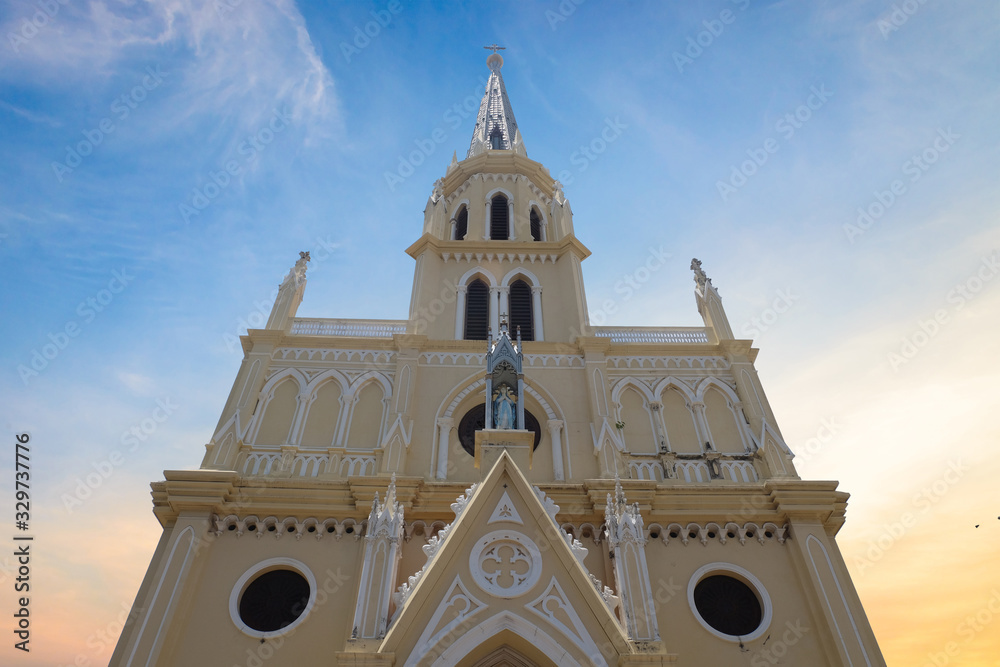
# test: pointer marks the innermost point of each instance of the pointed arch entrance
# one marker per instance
(510, 633)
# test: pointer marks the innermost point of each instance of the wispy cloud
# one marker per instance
(233, 61)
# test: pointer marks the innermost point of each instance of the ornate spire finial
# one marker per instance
(495, 61)
(297, 274)
(699, 275)
(495, 128)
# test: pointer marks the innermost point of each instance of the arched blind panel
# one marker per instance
(499, 219)
(461, 224)
(520, 310)
(536, 225)
(477, 310)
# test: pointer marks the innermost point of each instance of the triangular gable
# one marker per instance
(776, 452)
(521, 580)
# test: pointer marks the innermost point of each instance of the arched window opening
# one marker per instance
(521, 310)
(499, 219)
(536, 225)
(477, 310)
(475, 420)
(496, 138)
(461, 224)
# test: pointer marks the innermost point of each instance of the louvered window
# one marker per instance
(499, 219)
(520, 310)
(461, 224)
(536, 225)
(477, 310)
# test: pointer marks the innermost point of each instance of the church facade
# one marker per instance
(492, 480)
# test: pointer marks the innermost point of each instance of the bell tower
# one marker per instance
(498, 236)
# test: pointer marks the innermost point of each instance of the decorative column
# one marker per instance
(486, 227)
(299, 419)
(454, 228)
(536, 311)
(661, 436)
(510, 220)
(555, 434)
(460, 312)
(627, 541)
(494, 310)
(380, 565)
(520, 398)
(444, 425)
(489, 400)
(505, 302)
(742, 425)
(701, 426)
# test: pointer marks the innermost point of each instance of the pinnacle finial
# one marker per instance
(699, 274)
(495, 128)
(495, 61)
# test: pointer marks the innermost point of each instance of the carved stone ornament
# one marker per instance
(505, 563)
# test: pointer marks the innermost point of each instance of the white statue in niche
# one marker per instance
(503, 408)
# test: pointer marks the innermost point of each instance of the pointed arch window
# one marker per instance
(461, 224)
(477, 310)
(536, 224)
(499, 219)
(496, 138)
(521, 310)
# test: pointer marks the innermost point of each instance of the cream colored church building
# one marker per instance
(492, 480)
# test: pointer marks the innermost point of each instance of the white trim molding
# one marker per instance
(262, 568)
(747, 578)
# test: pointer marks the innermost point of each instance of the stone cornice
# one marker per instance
(498, 162)
(512, 251)
(225, 493)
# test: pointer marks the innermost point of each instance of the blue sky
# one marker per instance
(158, 99)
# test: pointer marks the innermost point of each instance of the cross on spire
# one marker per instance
(493, 47)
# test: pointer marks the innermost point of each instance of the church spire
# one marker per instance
(496, 128)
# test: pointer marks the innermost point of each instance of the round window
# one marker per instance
(274, 600)
(475, 420)
(728, 605)
(729, 602)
